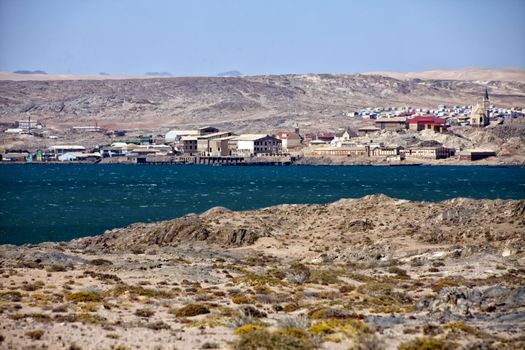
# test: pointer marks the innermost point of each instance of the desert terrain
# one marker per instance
(369, 273)
(315, 102)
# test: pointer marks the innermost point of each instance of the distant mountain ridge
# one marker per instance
(29, 72)
(159, 74)
(230, 73)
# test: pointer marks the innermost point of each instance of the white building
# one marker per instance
(176, 135)
(61, 149)
(341, 136)
(14, 131)
(254, 144)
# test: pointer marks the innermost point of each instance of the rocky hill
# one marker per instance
(377, 224)
(257, 103)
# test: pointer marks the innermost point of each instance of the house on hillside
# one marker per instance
(342, 136)
(394, 123)
(290, 139)
(427, 122)
(367, 130)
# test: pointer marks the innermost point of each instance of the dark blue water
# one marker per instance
(60, 202)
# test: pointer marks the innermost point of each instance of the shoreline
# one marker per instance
(257, 209)
(264, 164)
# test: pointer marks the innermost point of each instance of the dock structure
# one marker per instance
(220, 160)
(225, 161)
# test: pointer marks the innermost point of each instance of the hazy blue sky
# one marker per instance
(205, 37)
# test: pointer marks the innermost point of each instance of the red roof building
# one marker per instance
(325, 136)
(427, 122)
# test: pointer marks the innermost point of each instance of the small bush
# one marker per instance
(89, 318)
(291, 307)
(36, 334)
(432, 329)
(242, 299)
(298, 273)
(294, 332)
(368, 342)
(31, 287)
(191, 310)
(141, 291)
(327, 313)
(247, 328)
(146, 312)
(350, 328)
(156, 326)
(427, 344)
(346, 288)
(262, 339)
(294, 322)
(60, 308)
(397, 270)
(56, 268)
(11, 295)
(241, 320)
(35, 316)
(100, 262)
(252, 311)
(324, 277)
(83, 297)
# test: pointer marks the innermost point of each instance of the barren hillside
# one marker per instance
(262, 103)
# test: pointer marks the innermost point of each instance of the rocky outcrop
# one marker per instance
(371, 226)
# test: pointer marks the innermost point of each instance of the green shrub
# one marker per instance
(191, 310)
(31, 287)
(83, 297)
(141, 291)
(146, 312)
(427, 344)
(324, 277)
(262, 339)
(242, 299)
(247, 328)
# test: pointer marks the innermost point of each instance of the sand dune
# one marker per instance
(482, 74)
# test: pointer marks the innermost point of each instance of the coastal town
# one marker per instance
(380, 137)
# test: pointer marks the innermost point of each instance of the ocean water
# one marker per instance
(61, 202)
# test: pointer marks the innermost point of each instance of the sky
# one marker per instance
(206, 37)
